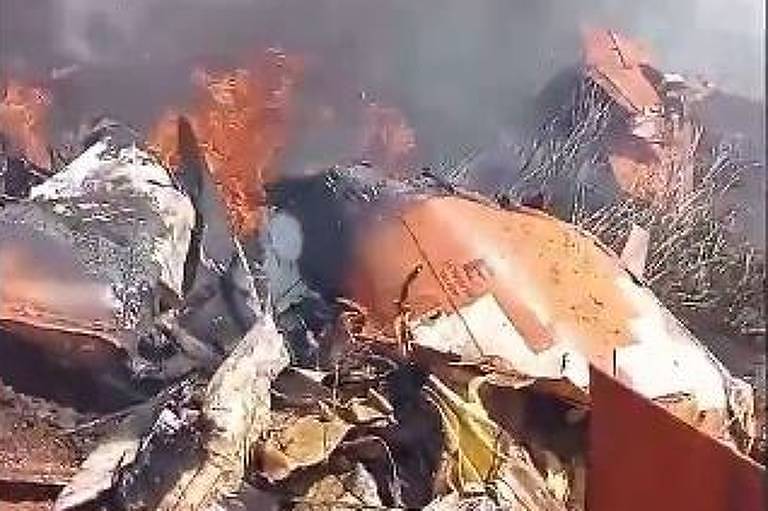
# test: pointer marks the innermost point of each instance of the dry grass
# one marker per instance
(696, 263)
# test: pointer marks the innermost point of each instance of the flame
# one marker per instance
(24, 121)
(242, 126)
(388, 140)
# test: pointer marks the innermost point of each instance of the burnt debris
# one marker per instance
(378, 339)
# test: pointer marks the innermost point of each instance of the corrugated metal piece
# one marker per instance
(642, 458)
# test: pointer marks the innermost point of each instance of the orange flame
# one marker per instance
(24, 121)
(388, 139)
(242, 126)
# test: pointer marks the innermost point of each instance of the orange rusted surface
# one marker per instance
(614, 63)
(642, 457)
(242, 125)
(549, 279)
(24, 120)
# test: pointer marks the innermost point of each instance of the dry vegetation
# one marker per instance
(696, 262)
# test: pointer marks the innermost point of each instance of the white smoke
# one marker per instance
(722, 39)
(460, 70)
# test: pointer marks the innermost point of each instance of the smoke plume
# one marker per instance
(459, 70)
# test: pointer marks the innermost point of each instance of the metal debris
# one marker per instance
(380, 343)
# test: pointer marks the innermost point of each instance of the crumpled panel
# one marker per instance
(96, 247)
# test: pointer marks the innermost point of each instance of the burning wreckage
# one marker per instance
(378, 343)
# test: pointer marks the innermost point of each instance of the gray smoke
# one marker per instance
(460, 70)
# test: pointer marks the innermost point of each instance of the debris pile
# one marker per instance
(179, 329)
(650, 154)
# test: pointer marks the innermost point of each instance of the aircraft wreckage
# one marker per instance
(380, 344)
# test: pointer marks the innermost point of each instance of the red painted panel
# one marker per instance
(643, 458)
